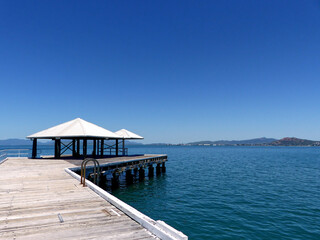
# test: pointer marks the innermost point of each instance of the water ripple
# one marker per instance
(234, 192)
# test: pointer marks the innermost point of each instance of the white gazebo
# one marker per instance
(126, 134)
(75, 130)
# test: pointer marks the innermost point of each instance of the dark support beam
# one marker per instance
(94, 147)
(84, 147)
(158, 169)
(151, 171)
(123, 148)
(117, 147)
(102, 147)
(57, 148)
(73, 147)
(135, 172)
(141, 173)
(98, 147)
(115, 180)
(129, 176)
(78, 147)
(34, 148)
(103, 181)
(163, 167)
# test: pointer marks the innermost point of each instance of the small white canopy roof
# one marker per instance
(75, 128)
(123, 133)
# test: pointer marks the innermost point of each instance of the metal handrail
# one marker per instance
(113, 151)
(96, 178)
(19, 152)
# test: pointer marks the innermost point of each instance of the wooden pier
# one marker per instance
(40, 200)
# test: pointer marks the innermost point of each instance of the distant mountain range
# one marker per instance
(14, 142)
(292, 141)
(287, 141)
(262, 140)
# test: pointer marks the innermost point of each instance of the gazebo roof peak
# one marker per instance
(126, 134)
(73, 129)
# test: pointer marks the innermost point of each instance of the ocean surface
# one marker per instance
(232, 192)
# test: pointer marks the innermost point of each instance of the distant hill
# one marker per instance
(132, 143)
(292, 141)
(255, 141)
(158, 144)
(22, 142)
(287, 141)
(15, 141)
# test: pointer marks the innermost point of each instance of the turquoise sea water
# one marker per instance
(232, 192)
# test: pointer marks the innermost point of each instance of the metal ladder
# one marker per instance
(96, 171)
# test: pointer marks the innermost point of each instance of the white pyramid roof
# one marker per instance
(75, 128)
(127, 134)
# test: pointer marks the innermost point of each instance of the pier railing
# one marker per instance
(5, 153)
(113, 151)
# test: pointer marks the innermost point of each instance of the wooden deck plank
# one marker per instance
(33, 192)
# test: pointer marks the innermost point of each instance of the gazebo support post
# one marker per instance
(123, 148)
(78, 147)
(98, 147)
(102, 147)
(117, 147)
(34, 148)
(94, 147)
(84, 147)
(57, 148)
(73, 147)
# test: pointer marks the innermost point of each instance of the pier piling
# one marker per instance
(163, 167)
(115, 180)
(141, 173)
(129, 176)
(158, 169)
(135, 171)
(151, 171)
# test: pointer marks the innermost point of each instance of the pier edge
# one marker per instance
(158, 228)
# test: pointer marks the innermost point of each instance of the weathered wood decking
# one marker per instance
(34, 191)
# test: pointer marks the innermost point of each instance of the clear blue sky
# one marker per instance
(171, 71)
